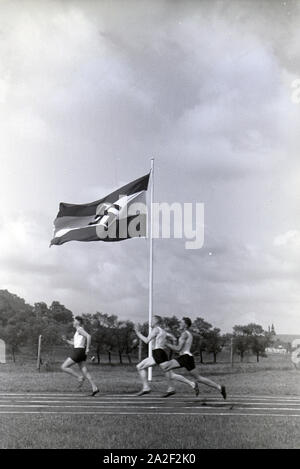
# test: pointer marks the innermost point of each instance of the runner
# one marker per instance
(159, 357)
(186, 359)
(81, 342)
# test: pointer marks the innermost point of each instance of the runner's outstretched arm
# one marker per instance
(148, 339)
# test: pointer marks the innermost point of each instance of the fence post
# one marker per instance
(231, 351)
(38, 365)
(2, 351)
(140, 350)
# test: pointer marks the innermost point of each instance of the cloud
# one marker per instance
(291, 237)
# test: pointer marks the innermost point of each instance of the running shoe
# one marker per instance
(169, 393)
(143, 391)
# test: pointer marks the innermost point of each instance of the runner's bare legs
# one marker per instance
(66, 368)
(87, 375)
(141, 368)
(182, 379)
(168, 366)
(206, 381)
(169, 377)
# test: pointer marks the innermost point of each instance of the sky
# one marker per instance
(90, 91)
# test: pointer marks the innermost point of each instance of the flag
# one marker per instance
(120, 215)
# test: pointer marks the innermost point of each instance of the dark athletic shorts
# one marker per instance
(186, 361)
(78, 355)
(160, 355)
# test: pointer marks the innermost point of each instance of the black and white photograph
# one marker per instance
(149, 227)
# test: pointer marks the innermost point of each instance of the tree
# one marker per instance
(14, 337)
(241, 341)
(214, 342)
(21, 324)
(14, 331)
(43, 323)
(241, 345)
(10, 304)
(124, 334)
(200, 327)
(40, 309)
(102, 335)
(251, 337)
(60, 313)
(259, 339)
(109, 333)
(14, 313)
(259, 345)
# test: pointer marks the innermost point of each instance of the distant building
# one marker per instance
(271, 330)
(279, 349)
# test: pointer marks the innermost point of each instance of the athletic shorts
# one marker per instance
(160, 355)
(186, 361)
(78, 355)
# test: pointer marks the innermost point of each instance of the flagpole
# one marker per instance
(151, 265)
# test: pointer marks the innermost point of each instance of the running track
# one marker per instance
(152, 404)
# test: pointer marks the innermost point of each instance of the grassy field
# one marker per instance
(183, 432)
(273, 376)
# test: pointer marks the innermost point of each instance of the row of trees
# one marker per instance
(110, 334)
(21, 324)
(251, 338)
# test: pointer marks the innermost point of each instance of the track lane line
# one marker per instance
(122, 396)
(228, 406)
(233, 414)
